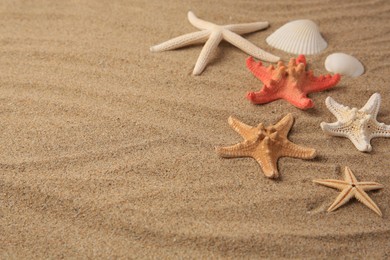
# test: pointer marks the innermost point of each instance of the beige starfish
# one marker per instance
(265, 144)
(350, 187)
(212, 34)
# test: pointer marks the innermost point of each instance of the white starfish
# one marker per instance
(212, 35)
(360, 126)
(350, 187)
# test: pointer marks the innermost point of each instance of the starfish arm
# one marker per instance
(361, 142)
(335, 129)
(372, 105)
(199, 23)
(244, 28)
(336, 184)
(290, 149)
(262, 97)
(244, 149)
(344, 196)
(183, 40)
(315, 84)
(284, 125)
(349, 176)
(366, 200)
(248, 47)
(299, 100)
(369, 185)
(381, 130)
(259, 71)
(339, 111)
(204, 56)
(246, 131)
(268, 164)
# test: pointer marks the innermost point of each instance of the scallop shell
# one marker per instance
(344, 64)
(298, 37)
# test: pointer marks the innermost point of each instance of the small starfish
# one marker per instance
(265, 144)
(359, 126)
(291, 83)
(350, 187)
(212, 35)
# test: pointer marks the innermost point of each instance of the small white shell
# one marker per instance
(344, 64)
(298, 37)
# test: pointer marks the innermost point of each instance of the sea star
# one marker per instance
(350, 187)
(265, 144)
(212, 34)
(291, 83)
(360, 126)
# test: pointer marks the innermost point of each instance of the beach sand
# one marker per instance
(107, 149)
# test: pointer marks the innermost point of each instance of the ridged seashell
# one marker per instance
(344, 64)
(298, 37)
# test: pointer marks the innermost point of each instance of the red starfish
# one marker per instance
(291, 83)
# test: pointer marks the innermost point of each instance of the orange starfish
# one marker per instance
(265, 144)
(291, 83)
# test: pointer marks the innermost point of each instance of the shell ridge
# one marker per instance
(298, 37)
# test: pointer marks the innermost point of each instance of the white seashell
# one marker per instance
(344, 64)
(298, 37)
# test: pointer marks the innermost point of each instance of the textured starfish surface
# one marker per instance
(291, 83)
(265, 144)
(212, 34)
(349, 188)
(359, 126)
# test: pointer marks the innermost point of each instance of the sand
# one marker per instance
(107, 149)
